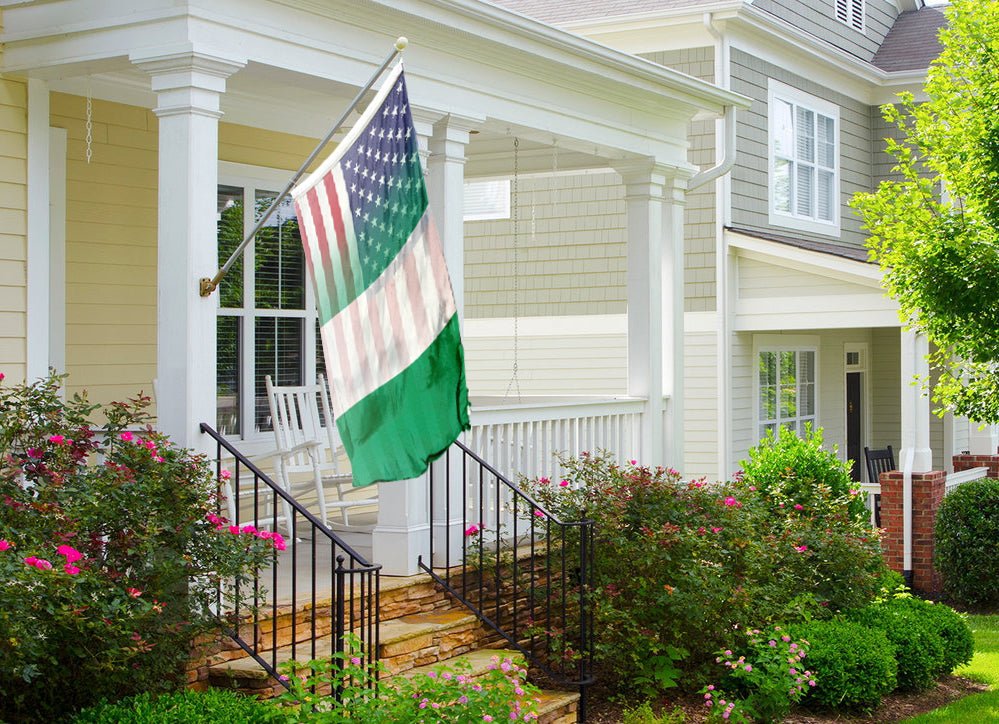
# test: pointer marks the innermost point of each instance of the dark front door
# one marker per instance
(853, 432)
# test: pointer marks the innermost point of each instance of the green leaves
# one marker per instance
(935, 227)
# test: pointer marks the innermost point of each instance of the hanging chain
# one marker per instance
(514, 380)
(90, 123)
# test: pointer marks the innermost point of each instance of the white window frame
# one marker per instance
(784, 343)
(852, 13)
(252, 179)
(793, 220)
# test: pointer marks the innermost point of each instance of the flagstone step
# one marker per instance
(404, 643)
(480, 661)
(558, 707)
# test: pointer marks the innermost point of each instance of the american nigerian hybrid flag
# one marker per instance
(389, 322)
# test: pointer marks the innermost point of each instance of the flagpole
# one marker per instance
(206, 285)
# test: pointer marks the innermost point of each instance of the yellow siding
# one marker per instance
(566, 362)
(110, 248)
(256, 147)
(700, 415)
(14, 223)
(111, 216)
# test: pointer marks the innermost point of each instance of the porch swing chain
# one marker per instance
(514, 380)
(90, 122)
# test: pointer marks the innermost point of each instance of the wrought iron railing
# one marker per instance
(315, 591)
(520, 569)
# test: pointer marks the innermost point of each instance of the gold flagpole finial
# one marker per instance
(401, 42)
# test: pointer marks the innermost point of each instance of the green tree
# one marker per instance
(935, 227)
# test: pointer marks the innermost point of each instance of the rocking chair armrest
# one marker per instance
(307, 446)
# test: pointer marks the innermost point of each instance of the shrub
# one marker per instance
(919, 648)
(967, 543)
(701, 559)
(789, 470)
(214, 706)
(110, 553)
(953, 630)
(764, 682)
(447, 694)
(855, 665)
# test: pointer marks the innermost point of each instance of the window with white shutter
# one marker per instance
(804, 161)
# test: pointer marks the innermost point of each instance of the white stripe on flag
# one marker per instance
(348, 222)
(401, 331)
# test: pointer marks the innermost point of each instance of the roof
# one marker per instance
(846, 251)
(912, 42)
(560, 11)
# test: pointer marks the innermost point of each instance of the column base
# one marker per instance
(398, 550)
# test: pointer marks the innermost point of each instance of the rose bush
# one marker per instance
(112, 553)
(680, 565)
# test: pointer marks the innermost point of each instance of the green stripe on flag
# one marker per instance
(424, 407)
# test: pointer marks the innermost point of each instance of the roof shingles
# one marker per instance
(912, 42)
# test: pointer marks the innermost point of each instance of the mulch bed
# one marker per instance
(895, 707)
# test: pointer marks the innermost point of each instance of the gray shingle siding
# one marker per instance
(750, 188)
(700, 211)
(818, 18)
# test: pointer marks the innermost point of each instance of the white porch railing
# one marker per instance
(956, 479)
(953, 481)
(522, 439)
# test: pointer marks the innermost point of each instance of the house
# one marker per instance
(785, 320)
(139, 140)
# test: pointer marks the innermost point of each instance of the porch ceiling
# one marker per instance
(304, 60)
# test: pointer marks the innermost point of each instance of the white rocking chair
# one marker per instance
(307, 446)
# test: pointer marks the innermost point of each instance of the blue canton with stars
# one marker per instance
(385, 183)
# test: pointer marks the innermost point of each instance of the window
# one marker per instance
(804, 161)
(485, 200)
(851, 12)
(265, 308)
(786, 389)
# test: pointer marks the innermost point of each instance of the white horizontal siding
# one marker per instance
(700, 417)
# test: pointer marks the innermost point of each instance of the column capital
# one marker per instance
(186, 80)
(649, 178)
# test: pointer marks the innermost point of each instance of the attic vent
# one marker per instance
(851, 12)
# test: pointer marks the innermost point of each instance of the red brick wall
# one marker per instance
(927, 493)
(966, 462)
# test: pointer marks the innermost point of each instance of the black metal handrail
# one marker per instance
(352, 605)
(519, 568)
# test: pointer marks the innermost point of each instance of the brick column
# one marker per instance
(927, 493)
(966, 462)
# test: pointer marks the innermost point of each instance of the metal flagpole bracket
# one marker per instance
(208, 285)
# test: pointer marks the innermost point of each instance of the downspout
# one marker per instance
(725, 135)
(727, 162)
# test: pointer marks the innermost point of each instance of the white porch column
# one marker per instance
(188, 86)
(654, 195)
(447, 195)
(983, 440)
(447, 144)
(915, 454)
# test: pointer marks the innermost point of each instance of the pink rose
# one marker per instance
(564, 484)
(126, 436)
(70, 553)
(56, 439)
(133, 592)
(4, 545)
(71, 569)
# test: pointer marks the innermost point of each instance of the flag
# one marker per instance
(389, 324)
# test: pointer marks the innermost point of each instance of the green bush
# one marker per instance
(919, 647)
(110, 553)
(681, 566)
(214, 706)
(789, 470)
(953, 630)
(854, 665)
(967, 543)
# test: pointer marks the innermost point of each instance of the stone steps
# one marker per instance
(421, 629)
